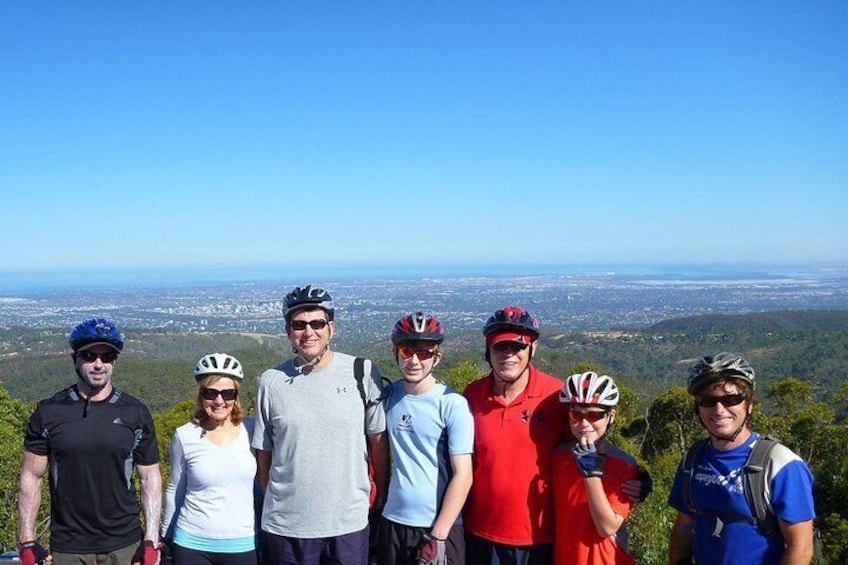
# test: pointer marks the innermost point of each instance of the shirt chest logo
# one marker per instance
(405, 423)
(528, 415)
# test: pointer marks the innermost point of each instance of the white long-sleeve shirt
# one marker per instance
(210, 489)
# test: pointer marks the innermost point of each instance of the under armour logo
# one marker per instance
(341, 389)
(525, 415)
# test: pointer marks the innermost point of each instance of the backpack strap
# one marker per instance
(359, 375)
(690, 463)
(753, 487)
(754, 484)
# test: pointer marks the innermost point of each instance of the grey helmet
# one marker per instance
(308, 296)
(711, 368)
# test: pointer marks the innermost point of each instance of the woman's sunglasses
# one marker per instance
(592, 416)
(88, 356)
(707, 401)
(423, 353)
(212, 393)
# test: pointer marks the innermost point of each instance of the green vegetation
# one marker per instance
(800, 359)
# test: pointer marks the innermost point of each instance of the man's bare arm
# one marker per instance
(799, 542)
(151, 500)
(29, 499)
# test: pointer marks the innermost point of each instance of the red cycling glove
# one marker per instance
(32, 553)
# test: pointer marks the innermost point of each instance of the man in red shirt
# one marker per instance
(518, 421)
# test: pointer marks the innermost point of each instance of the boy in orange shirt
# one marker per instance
(590, 507)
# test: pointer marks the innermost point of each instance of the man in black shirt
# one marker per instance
(91, 436)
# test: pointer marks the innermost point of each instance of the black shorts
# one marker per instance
(398, 544)
(347, 549)
(184, 556)
(484, 552)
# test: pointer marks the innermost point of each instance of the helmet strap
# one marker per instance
(308, 365)
(729, 438)
(507, 383)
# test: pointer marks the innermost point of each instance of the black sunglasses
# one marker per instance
(707, 401)
(511, 347)
(212, 393)
(316, 325)
(88, 356)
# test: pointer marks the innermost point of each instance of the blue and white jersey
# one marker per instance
(424, 431)
(716, 487)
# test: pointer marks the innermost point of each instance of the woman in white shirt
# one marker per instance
(209, 515)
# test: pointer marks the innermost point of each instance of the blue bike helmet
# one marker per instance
(96, 330)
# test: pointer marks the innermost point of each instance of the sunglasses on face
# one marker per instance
(88, 356)
(706, 401)
(317, 325)
(423, 353)
(212, 393)
(511, 347)
(592, 416)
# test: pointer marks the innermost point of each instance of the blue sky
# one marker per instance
(206, 134)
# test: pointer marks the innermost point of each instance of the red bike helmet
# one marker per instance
(418, 327)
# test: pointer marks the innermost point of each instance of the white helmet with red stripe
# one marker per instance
(590, 389)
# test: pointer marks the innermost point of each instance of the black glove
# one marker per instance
(589, 461)
(647, 483)
(32, 553)
(431, 551)
(165, 553)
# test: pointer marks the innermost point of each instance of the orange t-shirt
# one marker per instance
(577, 539)
(510, 500)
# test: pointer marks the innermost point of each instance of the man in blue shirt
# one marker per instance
(714, 522)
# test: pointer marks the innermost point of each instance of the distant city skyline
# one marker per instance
(218, 138)
(367, 308)
(28, 281)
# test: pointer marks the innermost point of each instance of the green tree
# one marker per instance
(13, 418)
(671, 425)
(460, 376)
(166, 424)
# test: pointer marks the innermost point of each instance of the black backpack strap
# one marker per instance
(359, 375)
(754, 484)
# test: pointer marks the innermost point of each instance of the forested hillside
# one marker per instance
(800, 358)
(156, 366)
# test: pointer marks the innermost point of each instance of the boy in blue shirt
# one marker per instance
(431, 437)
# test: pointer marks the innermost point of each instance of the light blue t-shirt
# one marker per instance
(424, 431)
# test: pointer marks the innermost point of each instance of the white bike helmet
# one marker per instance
(218, 364)
(589, 388)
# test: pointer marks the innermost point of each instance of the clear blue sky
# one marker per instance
(165, 134)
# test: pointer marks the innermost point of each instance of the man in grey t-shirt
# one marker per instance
(313, 437)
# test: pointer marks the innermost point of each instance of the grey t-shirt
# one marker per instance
(314, 424)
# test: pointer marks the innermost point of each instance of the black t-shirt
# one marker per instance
(92, 450)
